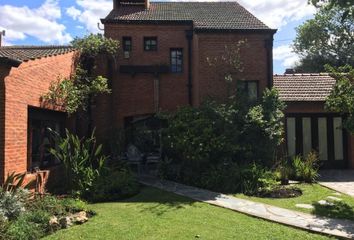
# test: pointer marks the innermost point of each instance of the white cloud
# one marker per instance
(41, 23)
(278, 13)
(285, 54)
(73, 12)
(91, 13)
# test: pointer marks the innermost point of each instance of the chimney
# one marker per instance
(290, 71)
(2, 34)
(129, 3)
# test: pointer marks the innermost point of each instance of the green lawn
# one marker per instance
(311, 195)
(155, 215)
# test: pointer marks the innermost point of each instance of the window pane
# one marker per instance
(322, 139)
(176, 60)
(307, 136)
(338, 138)
(291, 136)
(252, 90)
(241, 85)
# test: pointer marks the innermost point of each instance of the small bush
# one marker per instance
(57, 207)
(25, 229)
(306, 169)
(12, 204)
(114, 185)
(83, 160)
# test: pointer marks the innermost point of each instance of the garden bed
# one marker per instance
(333, 204)
(281, 192)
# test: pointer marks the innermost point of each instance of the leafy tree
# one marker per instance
(326, 39)
(342, 96)
(346, 5)
(76, 93)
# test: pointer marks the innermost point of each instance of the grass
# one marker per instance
(312, 193)
(154, 214)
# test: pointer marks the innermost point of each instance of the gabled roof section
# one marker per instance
(15, 55)
(204, 16)
(304, 87)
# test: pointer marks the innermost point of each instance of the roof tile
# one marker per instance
(26, 53)
(304, 87)
(204, 15)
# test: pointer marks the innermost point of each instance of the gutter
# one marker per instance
(189, 36)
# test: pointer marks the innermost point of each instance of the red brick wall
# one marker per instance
(134, 95)
(253, 55)
(23, 87)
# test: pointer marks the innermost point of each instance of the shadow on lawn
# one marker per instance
(338, 210)
(159, 202)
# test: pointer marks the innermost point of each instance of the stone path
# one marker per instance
(338, 180)
(335, 227)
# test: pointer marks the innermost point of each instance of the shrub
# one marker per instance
(203, 145)
(255, 178)
(12, 204)
(114, 185)
(83, 161)
(57, 207)
(24, 229)
(306, 169)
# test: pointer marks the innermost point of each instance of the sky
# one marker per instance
(53, 22)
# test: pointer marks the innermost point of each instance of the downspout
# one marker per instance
(189, 36)
(269, 47)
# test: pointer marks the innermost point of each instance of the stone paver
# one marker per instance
(335, 227)
(334, 198)
(338, 180)
(305, 206)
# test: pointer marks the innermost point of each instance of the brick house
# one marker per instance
(25, 75)
(162, 63)
(308, 125)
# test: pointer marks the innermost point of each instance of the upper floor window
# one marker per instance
(150, 43)
(250, 88)
(176, 60)
(127, 44)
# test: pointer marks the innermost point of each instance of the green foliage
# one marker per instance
(326, 39)
(346, 5)
(24, 229)
(116, 184)
(206, 146)
(32, 222)
(76, 93)
(12, 204)
(341, 99)
(83, 161)
(14, 181)
(306, 169)
(94, 45)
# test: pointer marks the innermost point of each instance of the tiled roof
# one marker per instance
(204, 15)
(19, 54)
(304, 87)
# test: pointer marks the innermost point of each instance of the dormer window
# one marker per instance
(150, 43)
